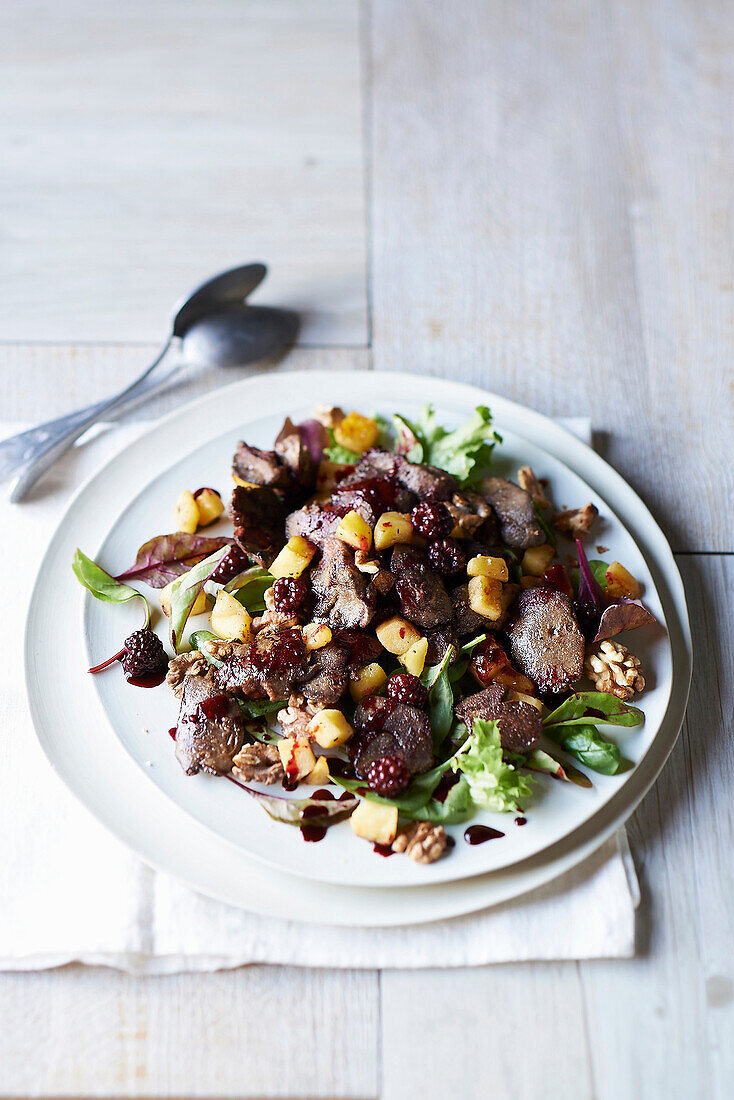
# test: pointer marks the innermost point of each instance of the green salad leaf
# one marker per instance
(586, 745)
(251, 588)
(301, 811)
(597, 706)
(494, 784)
(456, 807)
(102, 585)
(465, 452)
(545, 527)
(538, 760)
(411, 800)
(440, 697)
(184, 592)
(336, 453)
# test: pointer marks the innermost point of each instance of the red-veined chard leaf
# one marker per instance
(165, 557)
(623, 615)
(538, 760)
(595, 706)
(301, 811)
(102, 585)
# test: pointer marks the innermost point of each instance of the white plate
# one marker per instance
(74, 719)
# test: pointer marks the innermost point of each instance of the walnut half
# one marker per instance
(576, 522)
(258, 762)
(193, 663)
(614, 670)
(423, 842)
(527, 480)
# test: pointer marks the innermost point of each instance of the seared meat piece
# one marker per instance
(361, 648)
(514, 509)
(419, 588)
(340, 589)
(415, 481)
(260, 468)
(438, 642)
(295, 455)
(314, 522)
(427, 482)
(381, 582)
(464, 619)
(391, 729)
(210, 730)
(258, 515)
(267, 669)
(519, 723)
(545, 640)
(327, 675)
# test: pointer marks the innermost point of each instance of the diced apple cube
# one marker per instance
(485, 597)
(397, 635)
(536, 560)
(355, 531)
(186, 513)
(391, 528)
(620, 582)
(366, 681)
(295, 556)
(297, 757)
(414, 658)
(320, 773)
(316, 635)
(164, 598)
(329, 728)
(210, 506)
(375, 822)
(229, 619)
(484, 566)
(356, 432)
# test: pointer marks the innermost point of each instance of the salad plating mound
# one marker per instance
(388, 616)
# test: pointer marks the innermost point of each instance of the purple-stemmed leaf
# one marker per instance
(162, 559)
(315, 437)
(590, 600)
(623, 615)
(184, 593)
(301, 811)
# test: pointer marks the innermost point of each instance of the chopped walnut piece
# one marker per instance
(329, 415)
(180, 667)
(364, 563)
(258, 762)
(423, 842)
(273, 619)
(614, 670)
(527, 480)
(296, 716)
(222, 650)
(577, 522)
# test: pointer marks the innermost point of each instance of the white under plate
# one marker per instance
(207, 831)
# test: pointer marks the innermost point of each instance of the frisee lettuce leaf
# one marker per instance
(466, 452)
(493, 784)
(336, 453)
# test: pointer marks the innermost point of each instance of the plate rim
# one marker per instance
(664, 573)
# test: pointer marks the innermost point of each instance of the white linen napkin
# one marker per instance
(73, 893)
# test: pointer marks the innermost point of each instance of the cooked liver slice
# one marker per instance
(519, 723)
(340, 589)
(515, 512)
(422, 594)
(545, 641)
(207, 743)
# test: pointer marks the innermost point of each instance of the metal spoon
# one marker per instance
(213, 326)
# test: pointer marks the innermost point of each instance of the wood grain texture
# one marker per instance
(258, 1032)
(144, 147)
(551, 209)
(39, 381)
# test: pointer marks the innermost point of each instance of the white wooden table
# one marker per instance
(533, 196)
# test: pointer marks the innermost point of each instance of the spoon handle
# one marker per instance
(16, 450)
(41, 454)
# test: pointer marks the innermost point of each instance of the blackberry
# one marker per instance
(288, 595)
(233, 562)
(446, 556)
(144, 655)
(388, 776)
(403, 687)
(431, 521)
